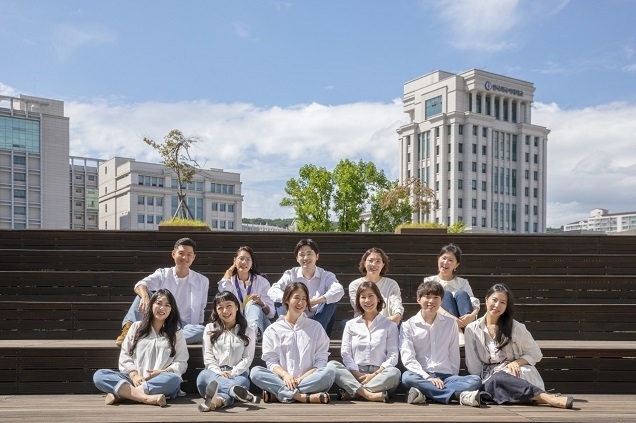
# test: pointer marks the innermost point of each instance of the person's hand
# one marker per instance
(137, 379)
(154, 372)
(144, 303)
(465, 320)
(514, 368)
(366, 378)
(289, 381)
(227, 374)
(229, 272)
(396, 318)
(439, 383)
(256, 299)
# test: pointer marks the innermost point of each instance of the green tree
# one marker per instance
(310, 196)
(175, 155)
(355, 184)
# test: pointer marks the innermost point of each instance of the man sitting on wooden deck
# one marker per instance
(189, 288)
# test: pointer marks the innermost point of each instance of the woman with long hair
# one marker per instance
(295, 350)
(458, 302)
(228, 351)
(503, 353)
(244, 280)
(152, 359)
(374, 265)
(369, 350)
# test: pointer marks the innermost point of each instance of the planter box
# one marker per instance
(422, 231)
(174, 228)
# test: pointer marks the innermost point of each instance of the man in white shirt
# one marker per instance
(189, 288)
(429, 348)
(324, 289)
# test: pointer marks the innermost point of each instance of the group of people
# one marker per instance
(500, 353)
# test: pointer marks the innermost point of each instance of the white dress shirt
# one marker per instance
(390, 291)
(228, 350)
(190, 293)
(153, 353)
(376, 345)
(428, 348)
(454, 285)
(296, 348)
(323, 283)
(260, 286)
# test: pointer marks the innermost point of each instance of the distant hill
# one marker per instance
(281, 223)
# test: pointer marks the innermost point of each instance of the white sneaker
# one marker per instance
(181, 393)
(242, 394)
(415, 397)
(470, 398)
(462, 341)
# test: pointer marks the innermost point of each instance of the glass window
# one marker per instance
(460, 147)
(199, 186)
(460, 128)
(473, 203)
(222, 224)
(222, 207)
(150, 201)
(150, 219)
(19, 160)
(460, 166)
(484, 150)
(19, 193)
(141, 218)
(215, 206)
(214, 224)
(141, 200)
(230, 189)
(230, 224)
(432, 107)
(460, 203)
(224, 189)
(174, 184)
(19, 210)
(474, 184)
(19, 177)
(474, 166)
(484, 132)
(160, 181)
(230, 208)
(159, 202)
(140, 180)
(212, 186)
(483, 185)
(460, 184)
(483, 168)
(483, 204)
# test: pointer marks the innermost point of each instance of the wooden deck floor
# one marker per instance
(91, 408)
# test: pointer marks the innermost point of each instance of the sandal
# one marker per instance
(268, 397)
(324, 398)
(343, 395)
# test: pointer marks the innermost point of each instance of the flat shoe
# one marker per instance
(569, 403)
(210, 397)
(385, 397)
(111, 399)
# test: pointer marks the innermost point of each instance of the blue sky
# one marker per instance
(270, 85)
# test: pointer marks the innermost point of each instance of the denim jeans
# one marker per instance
(255, 316)
(325, 315)
(206, 376)
(110, 381)
(387, 380)
(319, 381)
(193, 334)
(458, 304)
(452, 384)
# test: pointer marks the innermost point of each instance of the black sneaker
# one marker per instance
(242, 394)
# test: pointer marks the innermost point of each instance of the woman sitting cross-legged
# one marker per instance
(228, 351)
(295, 349)
(369, 350)
(502, 352)
(152, 359)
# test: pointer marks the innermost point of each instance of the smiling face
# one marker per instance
(307, 258)
(447, 264)
(496, 305)
(243, 262)
(183, 257)
(297, 302)
(430, 303)
(368, 301)
(374, 265)
(227, 312)
(161, 309)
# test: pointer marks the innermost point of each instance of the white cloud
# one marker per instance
(267, 146)
(591, 160)
(244, 31)
(630, 68)
(67, 39)
(7, 90)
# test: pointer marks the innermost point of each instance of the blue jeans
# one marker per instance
(193, 334)
(206, 376)
(387, 380)
(109, 381)
(319, 381)
(325, 315)
(254, 315)
(452, 384)
(457, 305)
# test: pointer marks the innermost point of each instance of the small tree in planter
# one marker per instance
(176, 156)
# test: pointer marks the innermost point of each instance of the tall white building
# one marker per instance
(470, 138)
(601, 220)
(136, 196)
(34, 154)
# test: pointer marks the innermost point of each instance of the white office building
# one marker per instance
(470, 138)
(34, 154)
(84, 193)
(601, 220)
(138, 196)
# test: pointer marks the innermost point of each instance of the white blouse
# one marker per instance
(260, 286)
(153, 353)
(390, 291)
(296, 348)
(376, 345)
(228, 350)
(454, 285)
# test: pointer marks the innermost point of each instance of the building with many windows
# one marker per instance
(136, 196)
(470, 138)
(601, 220)
(84, 194)
(34, 154)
